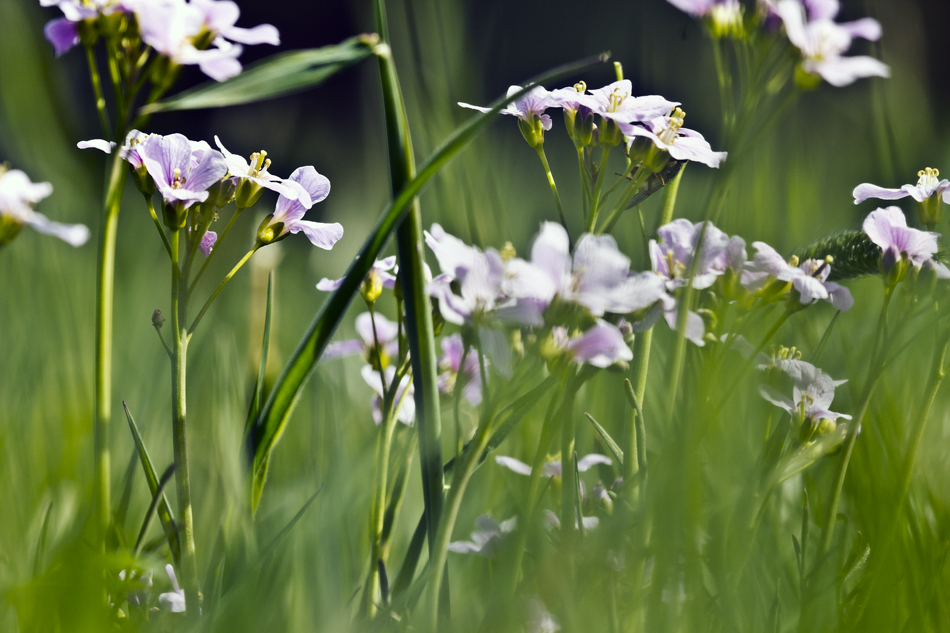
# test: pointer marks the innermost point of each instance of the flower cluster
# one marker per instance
(195, 32)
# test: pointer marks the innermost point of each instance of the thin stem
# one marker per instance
(751, 359)
(97, 91)
(227, 278)
(638, 179)
(158, 224)
(568, 485)
(189, 570)
(595, 196)
(214, 251)
(585, 183)
(459, 378)
(171, 354)
(557, 197)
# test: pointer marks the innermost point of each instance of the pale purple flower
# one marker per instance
(823, 42)
(256, 172)
(669, 135)
(450, 363)
(552, 521)
(220, 17)
(479, 276)
(486, 538)
(702, 8)
(552, 468)
(616, 102)
(672, 257)
(812, 393)
(404, 403)
(18, 194)
(174, 600)
(207, 242)
(381, 268)
(927, 185)
(529, 106)
(600, 346)
(888, 229)
(666, 307)
(386, 331)
(62, 32)
(289, 212)
(182, 170)
(809, 278)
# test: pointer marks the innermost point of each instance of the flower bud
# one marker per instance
(372, 287)
(532, 131)
(268, 233)
(806, 80)
(143, 181)
(825, 426)
(88, 33)
(893, 267)
(656, 159)
(610, 133)
(221, 192)
(923, 282)
(158, 319)
(583, 127)
(9, 228)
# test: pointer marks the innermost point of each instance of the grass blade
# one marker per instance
(287, 528)
(280, 403)
(276, 76)
(265, 346)
(164, 510)
(609, 441)
(41, 543)
(150, 513)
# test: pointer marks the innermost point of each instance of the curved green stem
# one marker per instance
(227, 278)
(97, 90)
(459, 378)
(158, 225)
(214, 251)
(557, 197)
(598, 184)
(632, 188)
(585, 183)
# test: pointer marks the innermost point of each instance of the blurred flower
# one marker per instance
(220, 17)
(552, 521)
(822, 42)
(888, 229)
(479, 276)
(486, 538)
(403, 403)
(672, 257)
(62, 32)
(386, 330)
(724, 16)
(288, 215)
(539, 620)
(174, 600)
(809, 278)
(381, 268)
(812, 394)
(600, 346)
(18, 194)
(450, 363)
(552, 468)
(529, 108)
(669, 135)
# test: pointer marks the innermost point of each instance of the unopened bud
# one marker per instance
(532, 131)
(893, 267)
(88, 32)
(175, 215)
(268, 232)
(221, 192)
(826, 426)
(143, 181)
(372, 287)
(610, 133)
(158, 319)
(248, 193)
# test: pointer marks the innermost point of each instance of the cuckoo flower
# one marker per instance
(552, 521)
(812, 394)
(254, 175)
(288, 215)
(619, 109)
(62, 32)
(670, 137)
(486, 538)
(385, 331)
(479, 276)
(183, 170)
(380, 268)
(403, 403)
(18, 194)
(808, 278)
(552, 468)
(220, 17)
(600, 346)
(823, 42)
(451, 364)
(888, 229)
(207, 242)
(529, 108)
(929, 192)
(174, 600)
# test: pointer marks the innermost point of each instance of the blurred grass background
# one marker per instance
(795, 188)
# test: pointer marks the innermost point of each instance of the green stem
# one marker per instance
(585, 183)
(598, 184)
(97, 90)
(214, 251)
(227, 278)
(103, 378)
(568, 485)
(384, 449)
(189, 568)
(459, 385)
(158, 224)
(638, 179)
(557, 197)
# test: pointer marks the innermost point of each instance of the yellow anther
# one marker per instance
(177, 180)
(675, 123)
(829, 259)
(793, 260)
(580, 86)
(928, 176)
(508, 252)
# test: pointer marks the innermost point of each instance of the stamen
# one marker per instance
(581, 86)
(177, 179)
(675, 123)
(928, 176)
(793, 260)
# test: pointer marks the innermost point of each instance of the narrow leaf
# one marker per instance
(41, 542)
(280, 403)
(150, 513)
(609, 441)
(276, 76)
(265, 345)
(123, 509)
(287, 528)
(164, 510)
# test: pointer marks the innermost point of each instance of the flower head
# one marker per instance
(478, 276)
(486, 538)
(808, 278)
(450, 364)
(288, 214)
(254, 175)
(371, 327)
(600, 346)
(529, 108)
(63, 32)
(812, 394)
(18, 194)
(403, 403)
(173, 600)
(552, 468)
(929, 192)
(888, 229)
(183, 170)
(823, 42)
(381, 268)
(669, 136)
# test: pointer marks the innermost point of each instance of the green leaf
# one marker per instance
(157, 498)
(609, 441)
(164, 511)
(265, 345)
(280, 403)
(287, 528)
(276, 76)
(41, 543)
